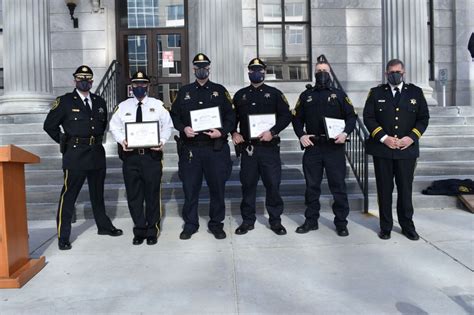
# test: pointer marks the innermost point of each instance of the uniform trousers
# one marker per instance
(331, 158)
(265, 163)
(73, 181)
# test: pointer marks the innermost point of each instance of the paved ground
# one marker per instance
(259, 273)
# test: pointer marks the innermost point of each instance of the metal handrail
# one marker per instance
(355, 149)
(108, 88)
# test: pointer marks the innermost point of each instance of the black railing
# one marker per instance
(355, 148)
(107, 87)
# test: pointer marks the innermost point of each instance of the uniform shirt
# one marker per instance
(89, 100)
(152, 110)
(194, 96)
(261, 100)
(383, 117)
(315, 104)
(70, 112)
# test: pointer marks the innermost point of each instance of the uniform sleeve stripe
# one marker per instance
(417, 132)
(376, 130)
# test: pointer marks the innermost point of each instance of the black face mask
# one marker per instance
(323, 79)
(201, 73)
(83, 85)
(395, 78)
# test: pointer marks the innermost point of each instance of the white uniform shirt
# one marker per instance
(152, 110)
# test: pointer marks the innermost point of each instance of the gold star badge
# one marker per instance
(413, 101)
(267, 95)
(215, 94)
(200, 57)
(139, 75)
(256, 62)
(84, 69)
(333, 96)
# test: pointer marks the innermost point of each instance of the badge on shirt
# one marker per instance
(413, 101)
(128, 114)
(152, 110)
(187, 97)
(215, 94)
(244, 97)
(101, 110)
(333, 96)
(267, 95)
(309, 99)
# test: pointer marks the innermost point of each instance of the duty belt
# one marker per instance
(92, 140)
(199, 143)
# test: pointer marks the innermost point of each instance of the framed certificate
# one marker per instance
(205, 119)
(334, 127)
(259, 123)
(140, 135)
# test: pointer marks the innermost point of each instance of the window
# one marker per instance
(283, 35)
(152, 14)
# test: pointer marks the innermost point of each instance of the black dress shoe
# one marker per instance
(186, 234)
(278, 229)
(219, 234)
(411, 235)
(64, 245)
(112, 232)
(385, 235)
(343, 231)
(151, 240)
(138, 240)
(244, 228)
(306, 227)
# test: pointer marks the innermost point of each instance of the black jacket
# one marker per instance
(382, 116)
(262, 100)
(70, 112)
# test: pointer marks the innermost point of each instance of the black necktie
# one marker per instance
(396, 97)
(88, 108)
(139, 113)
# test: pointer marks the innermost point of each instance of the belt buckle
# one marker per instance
(91, 140)
(141, 151)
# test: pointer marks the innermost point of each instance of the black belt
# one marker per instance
(137, 152)
(92, 140)
(199, 143)
(256, 142)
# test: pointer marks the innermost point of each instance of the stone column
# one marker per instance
(27, 60)
(215, 29)
(405, 37)
(464, 80)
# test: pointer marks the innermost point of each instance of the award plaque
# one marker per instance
(334, 127)
(206, 119)
(259, 123)
(141, 135)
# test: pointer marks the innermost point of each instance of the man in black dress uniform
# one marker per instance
(83, 117)
(396, 115)
(322, 152)
(260, 154)
(203, 152)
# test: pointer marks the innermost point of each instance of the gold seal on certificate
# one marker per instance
(205, 119)
(259, 123)
(334, 127)
(140, 135)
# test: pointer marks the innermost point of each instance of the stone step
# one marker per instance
(446, 130)
(293, 204)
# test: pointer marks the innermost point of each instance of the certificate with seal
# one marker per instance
(334, 127)
(259, 123)
(141, 135)
(205, 119)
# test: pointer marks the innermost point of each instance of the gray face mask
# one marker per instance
(395, 78)
(202, 73)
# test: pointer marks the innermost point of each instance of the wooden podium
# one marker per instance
(16, 267)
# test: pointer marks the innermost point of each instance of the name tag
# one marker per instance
(381, 101)
(76, 110)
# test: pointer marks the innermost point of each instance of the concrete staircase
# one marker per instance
(447, 151)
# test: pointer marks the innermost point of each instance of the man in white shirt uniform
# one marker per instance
(142, 168)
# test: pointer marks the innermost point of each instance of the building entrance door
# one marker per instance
(152, 37)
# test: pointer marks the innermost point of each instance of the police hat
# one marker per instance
(140, 77)
(83, 72)
(201, 61)
(256, 64)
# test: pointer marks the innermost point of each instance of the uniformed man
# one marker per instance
(83, 117)
(321, 152)
(205, 152)
(260, 154)
(396, 115)
(142, 167)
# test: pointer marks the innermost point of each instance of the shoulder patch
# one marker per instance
(368, 95)
(56, 103)
(348, 100)
(284, 99)
(115, 109)
(228, 96)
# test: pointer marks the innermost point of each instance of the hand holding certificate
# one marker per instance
(334, 127)
(260, 123)
(142, 134)
(206, 119)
